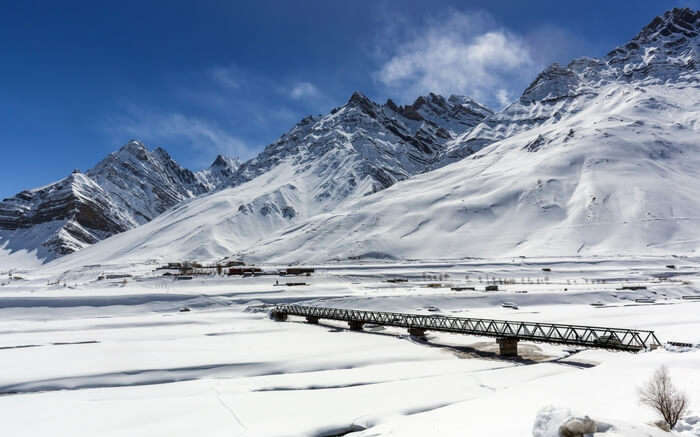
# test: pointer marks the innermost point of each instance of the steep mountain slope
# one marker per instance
(600, 157)
(358, 149)
(321, 164)
(618, 177)
(145, 183)
(367, 145)
(60, 218)
(219, 174)
(126, 189)
(665, 50)
(609, 166)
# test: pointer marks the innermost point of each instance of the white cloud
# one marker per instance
(459, 54)
(503, 97)
(303, 90)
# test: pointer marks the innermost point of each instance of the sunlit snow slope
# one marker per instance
(600, 156)
(322, 163)
(126, 189)
(618, 177)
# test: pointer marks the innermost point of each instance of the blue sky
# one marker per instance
(79, 79)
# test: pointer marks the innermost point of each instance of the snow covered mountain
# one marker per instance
(620, 177)
(61, 217)
(128, 188)
(596, 157)
(601, 156)
(666, 50)
(144, 183)
(220, 173)
(357, 149)
(363, 147)
(322, 163)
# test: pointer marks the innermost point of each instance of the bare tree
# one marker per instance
(660, 394)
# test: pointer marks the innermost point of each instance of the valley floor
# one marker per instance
(119, 357)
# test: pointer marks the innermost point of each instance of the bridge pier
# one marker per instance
(312, 319)
(355, 325)
(416, 332)
(278, 316)
(508, 346)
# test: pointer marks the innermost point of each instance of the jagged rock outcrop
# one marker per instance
(366, 141)
(144, 183)
(600, 156)
(359, 148)
(128, 188)
(664, 51)
(220, 173)
(66, 215)
(356, 150)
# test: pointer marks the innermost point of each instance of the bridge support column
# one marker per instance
(508, 346)
(416, 332)
(278, 316)
(355, 325)
(312, 319)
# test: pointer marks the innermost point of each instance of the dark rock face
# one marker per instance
(679, 21)
(73, 197)
(385, 143)
(128, 188)
(553, 83)
(359, 148)
(143, 183)
(219, 175)
(74, 212)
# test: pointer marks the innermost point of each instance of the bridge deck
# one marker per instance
(589, 336)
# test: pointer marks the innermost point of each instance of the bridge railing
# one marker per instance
(579, 335)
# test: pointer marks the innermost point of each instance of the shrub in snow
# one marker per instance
(660, 394)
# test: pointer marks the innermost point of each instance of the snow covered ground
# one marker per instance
(117, 357)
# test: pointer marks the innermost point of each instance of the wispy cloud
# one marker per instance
(210, 105)
(503, 97)
(253, 102)
(228, 77)
(162, 129)
(464, 53)
(304, 90)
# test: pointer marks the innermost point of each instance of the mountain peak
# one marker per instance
(133, 145)
(225, 161)
(219, 174)
(358, 97)
(682, 21)
(135, 148)
(432, 98)
(362, 102)
(219, 161)
(460, 100)
(305, 121)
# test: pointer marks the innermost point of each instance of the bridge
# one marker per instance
(506, 332)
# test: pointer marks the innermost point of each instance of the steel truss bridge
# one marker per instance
(507, 332)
